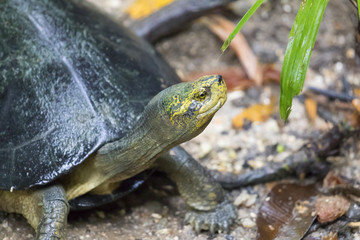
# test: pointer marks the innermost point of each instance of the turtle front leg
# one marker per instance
(210, 208)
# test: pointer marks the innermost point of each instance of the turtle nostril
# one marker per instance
(219, 79)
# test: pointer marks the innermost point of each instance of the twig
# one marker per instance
(346, 86)
(173, 17)
(309, 160)
(353, 2)
(332, 94)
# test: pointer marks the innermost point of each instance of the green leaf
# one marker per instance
(241, 23)
(358, 3)
(297, 56)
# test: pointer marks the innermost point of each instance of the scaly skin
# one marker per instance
(209, 207)
(175, 115)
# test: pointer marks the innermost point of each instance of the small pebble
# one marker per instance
(247, 223)
(287, 8)
(156, 215)
(205, 149)
(241, 198)
(163, 231)
(350, 53)
(357, 236)
(5, 223)
(223, 143)
(251, 200)
(255, 164)
(245, 199)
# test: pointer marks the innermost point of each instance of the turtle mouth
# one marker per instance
(213, 109)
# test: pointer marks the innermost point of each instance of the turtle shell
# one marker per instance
(71, 80)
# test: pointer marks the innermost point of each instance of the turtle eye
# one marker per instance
(201, 95)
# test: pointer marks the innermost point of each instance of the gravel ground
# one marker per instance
(156, 211)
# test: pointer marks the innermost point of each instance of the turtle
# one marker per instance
(87, 110)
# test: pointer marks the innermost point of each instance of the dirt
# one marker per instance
(155, 211)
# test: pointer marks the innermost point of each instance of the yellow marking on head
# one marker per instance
(184, 106)
(176, 99)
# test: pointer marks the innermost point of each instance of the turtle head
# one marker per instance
(187, 108)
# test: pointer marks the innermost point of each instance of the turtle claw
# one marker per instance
(217, 220)
(198, 225)
(213, 226)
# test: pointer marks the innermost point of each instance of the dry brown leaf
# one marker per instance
(142, 8)
(271, 74)
(235, 78)
(311, 107)
(329, 208)
(331, 236)
(353, 118)
(255, 113)
(222, 28)
(333, 180)
(286, 212)
(356, 104)
(357, 91)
